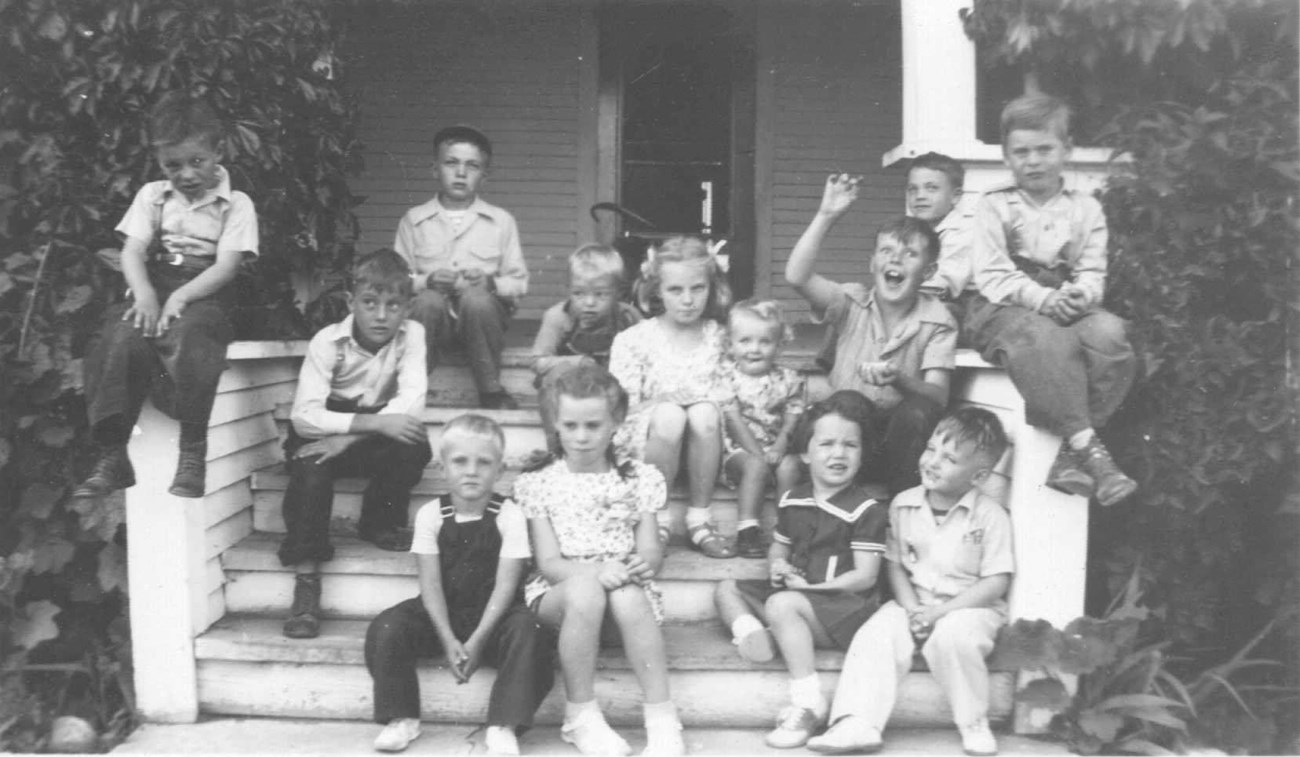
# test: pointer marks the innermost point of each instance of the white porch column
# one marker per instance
(165, 570)
(938, 75)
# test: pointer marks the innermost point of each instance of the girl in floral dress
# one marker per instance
(671, 367)
(597, 550)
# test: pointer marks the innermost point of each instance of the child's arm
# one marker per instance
(555, 568)
(625, 365)
(549, 335)
(995, 275)
(435, 604)
(866, 567)
(820, 292)
(779, 568)
(901, 583)
(510, 570)
(1090, 268)
(144, 309)
(648, 558)
(934, 384)
(983, 593)
(781, 444)
(400, 419)
(206, 284)
(739, 430)
(511, 278)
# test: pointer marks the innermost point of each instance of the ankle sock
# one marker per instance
(744, 626)
(696, 516)
(1081, 439)
(807, 692)
(574, 709)
(746, 523)
(660, 714)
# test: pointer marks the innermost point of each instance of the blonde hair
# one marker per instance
(596, 260)
(1037, 113)
(768, 311)
(683, 249)
(472, 424)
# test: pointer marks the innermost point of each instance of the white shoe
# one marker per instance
(977, 740)
(664, 740)
(592, 735)
(848, 735)
(501, 740)
(794, 726)
(398, 735)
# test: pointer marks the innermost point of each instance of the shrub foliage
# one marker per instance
(76, 80)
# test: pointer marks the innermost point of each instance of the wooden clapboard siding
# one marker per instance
(511, 70)
(834, 104)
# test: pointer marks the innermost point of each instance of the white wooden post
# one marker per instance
(938, 74)
(165, 570)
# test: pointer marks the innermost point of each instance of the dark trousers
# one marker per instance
(1072, 377)
(474, 318)
(181, 367)
(907, 428)
(392, 467)
(520, 649)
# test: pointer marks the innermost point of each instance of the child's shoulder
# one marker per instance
(557, 315)
(930, 309)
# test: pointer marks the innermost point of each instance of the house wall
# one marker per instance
(834, 84)
(509, 69)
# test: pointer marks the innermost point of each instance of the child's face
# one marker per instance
(377, 315)
(592, 298)
(900, 268)
(684, 289)
(754, 343)
(472, 464)
(191, 166)
(1036, 159)
(834, 451)
(930, 194)
(951, 469)
(460, 169)
(586, 428)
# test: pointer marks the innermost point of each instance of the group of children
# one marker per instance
(871, 469)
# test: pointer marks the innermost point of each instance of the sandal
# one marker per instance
(706, 539)
(665, 534)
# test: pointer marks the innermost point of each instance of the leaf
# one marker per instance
(1158, 716)
(1027, 645)
(35, 624)
(1141, 746)
(56, 434)
(112, 567)
(1045, 692)
(53, 27)
(39, 500)
(1136, 700)
(52, 554)
(1103, 725)
(6, 450)
(6, 283)
(101, 516)
(74, 299)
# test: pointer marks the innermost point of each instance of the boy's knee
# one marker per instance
(1104, 331)
(584, 594)
(782, 606)
(960, 633)
(629, 603)
(429, 304)
(477, 300)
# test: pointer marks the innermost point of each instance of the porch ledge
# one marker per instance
(981, 152)
(259, 350)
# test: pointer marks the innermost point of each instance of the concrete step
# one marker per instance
(247, 667)
(220, 735)
(362, 580)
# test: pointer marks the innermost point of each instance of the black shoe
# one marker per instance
(112, 471)
(750, 542)
(191, 470)
(390, 539)
(304, 614)
(500, 400)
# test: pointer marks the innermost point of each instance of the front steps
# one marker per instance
(245, 667)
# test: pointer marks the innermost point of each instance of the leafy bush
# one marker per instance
(1203, 236)
(76, 80)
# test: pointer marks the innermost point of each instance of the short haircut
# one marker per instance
(179, 116)
(937, 161)
(596, 261)
(850, 405)
(475, 425)
(907, 230)
(768, 311)
(462, 133)
(384, 271)
(977, 426)
(1037, 113)
(683, 249)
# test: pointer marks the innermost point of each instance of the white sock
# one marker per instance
(744, 626)
(1081, 439)
(807, 692)
(746, 523)
(660, 714)
(573, 709)
(696, 516)
(501, 739)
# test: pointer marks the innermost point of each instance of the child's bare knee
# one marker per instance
(667, 422)
(629, 603)
(725, 589)
(703, 418)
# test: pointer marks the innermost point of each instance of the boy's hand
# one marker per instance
(171, 311)
(471, 655)
(1061, 308)
(841, 190)
(613, 574)
(795, 580)
(143, 313)
(638, 570)
(443, 280)
(775, 453)
(778, 571)
(879, 373)
(921, 620)
(400, 427)
(473, 277)
(456, 656)
(328, 447)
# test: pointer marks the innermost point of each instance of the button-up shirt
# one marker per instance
(1068, 229)
(944, 556)
(487, 240)
(957, 235)
(925, 339)
(338, 367)
(221, 220)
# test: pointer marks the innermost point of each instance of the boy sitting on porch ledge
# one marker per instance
(469, 270)
(356, 412)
